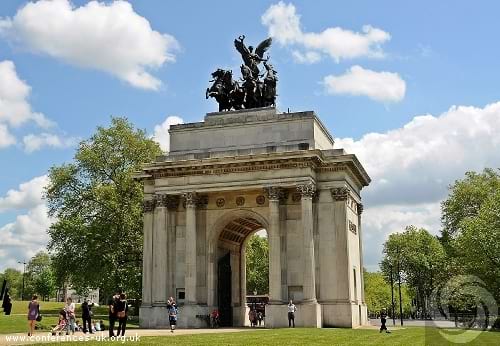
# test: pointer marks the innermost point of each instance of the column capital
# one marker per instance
(340, 193)
(275, 193)
(360, 208)
(148, 205)
(191, 199)
(307, 190)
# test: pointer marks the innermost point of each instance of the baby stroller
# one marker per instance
(62, 324)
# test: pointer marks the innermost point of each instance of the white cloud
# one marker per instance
(27, 234)
(14, 93)
(6, 138)
(412, 167)
(379, 86)
(284, 26)
(110, 37)
(161, 134)
(27, 196)
(380, 221)
(36, 142)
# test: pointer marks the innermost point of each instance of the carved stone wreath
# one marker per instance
(240, 201)
(296, 197)
(220, 202)
(260, 200)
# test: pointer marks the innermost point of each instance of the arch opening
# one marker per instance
(232, 299)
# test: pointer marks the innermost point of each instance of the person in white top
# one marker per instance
(70, 314)
(291, 314)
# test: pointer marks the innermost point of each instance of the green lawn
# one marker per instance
(17, 322)
(308, 336)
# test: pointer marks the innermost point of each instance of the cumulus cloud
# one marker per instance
(379, 86)
(34, 142)
(161, 134)
(6, 138)
(14, 106)
(110, 37)
(27, 234)
(28, 195)
(284, 26)
(412, 167)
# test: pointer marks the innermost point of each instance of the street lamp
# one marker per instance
(24, 271)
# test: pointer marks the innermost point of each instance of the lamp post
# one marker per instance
(392, 298)
(24, 271)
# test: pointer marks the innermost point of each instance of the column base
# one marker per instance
(344, 314)
(192, 316)
(307, 315)
(153, 316)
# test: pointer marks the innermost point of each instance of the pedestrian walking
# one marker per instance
(172, 313)
(33, 313)
(291, 314)
(383, 320)
(87, 316)
(121, 314)
(70, 314)
(112, 313)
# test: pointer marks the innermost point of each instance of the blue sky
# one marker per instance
(418, 58)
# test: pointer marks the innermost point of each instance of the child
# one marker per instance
(61, 324)
(172, 313)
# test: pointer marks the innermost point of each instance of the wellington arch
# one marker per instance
(231, 175)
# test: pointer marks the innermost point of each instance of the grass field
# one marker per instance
(308, 336)
(17, 322)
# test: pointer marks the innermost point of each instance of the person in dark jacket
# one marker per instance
(87, 316)
(383, 320)
(121, 314)
(112, 313)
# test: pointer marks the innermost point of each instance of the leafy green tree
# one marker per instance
(471, 229)
(378, 294)
(257, 260)
(14, 279)
(465, 199)
(97, 238)
(39, 276)
(478, 244)
(420, 258)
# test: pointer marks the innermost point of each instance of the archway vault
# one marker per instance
(237, 230)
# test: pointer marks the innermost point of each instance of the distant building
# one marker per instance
(93, 295)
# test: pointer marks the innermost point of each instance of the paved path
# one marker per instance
(22, 338)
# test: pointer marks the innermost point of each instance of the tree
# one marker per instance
(39, 276)
(14, 279)
(97, 238)
(471, 230)
(420, 259)
(377, 292)
(257, 259)
(465, 199)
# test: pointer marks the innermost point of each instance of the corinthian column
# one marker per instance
(190, 278)
(274, 195)
(147, 261)
(309, 285)
(160, 251)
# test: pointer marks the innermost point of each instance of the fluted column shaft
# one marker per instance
(147, 261)
(190, 278)
(274, 195)
(160, 246)
(309, 278)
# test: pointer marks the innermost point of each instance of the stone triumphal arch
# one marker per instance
(231, 175)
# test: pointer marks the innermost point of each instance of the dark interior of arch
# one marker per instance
(237, 230)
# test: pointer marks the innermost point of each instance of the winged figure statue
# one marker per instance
(252, 58)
